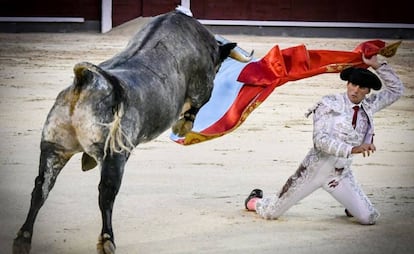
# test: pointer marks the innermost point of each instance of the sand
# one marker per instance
(190, 199)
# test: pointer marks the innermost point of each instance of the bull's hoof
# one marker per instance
(22, 243)
(105, 245)
(182, 127)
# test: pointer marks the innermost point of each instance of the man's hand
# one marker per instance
(365, 149)
(373, 61)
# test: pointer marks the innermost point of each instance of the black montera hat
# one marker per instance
(361, 77)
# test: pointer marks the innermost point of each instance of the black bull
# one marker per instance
(166, 71)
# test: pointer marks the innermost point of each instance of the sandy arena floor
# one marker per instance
(177, 199)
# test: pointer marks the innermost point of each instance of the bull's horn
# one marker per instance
(237, 53)
(240, 55)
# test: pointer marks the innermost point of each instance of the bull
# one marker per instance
(160, 80)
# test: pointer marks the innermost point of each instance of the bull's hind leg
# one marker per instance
(52, 160)
(111, 178)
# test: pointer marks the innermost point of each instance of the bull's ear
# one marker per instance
(225, 49)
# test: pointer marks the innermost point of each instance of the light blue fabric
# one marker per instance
(226, 88)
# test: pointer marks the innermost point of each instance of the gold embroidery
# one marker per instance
(390, 50)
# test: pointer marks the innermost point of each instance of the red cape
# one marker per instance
(278, 67)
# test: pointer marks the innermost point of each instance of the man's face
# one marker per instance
(356, 93)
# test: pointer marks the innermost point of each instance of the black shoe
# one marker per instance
(348, 213)
(256, 193)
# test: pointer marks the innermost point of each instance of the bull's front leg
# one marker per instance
(111, 178)
(185, 124)
(52, 160)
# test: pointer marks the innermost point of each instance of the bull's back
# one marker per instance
(171, 42)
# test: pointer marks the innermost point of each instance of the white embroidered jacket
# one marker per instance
(332, 122)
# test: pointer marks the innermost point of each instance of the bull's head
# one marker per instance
(236, 53)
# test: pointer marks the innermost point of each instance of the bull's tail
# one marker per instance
(117, 141)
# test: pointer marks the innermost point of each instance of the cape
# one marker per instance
(239, 88)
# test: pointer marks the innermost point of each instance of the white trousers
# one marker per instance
(320, 170)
